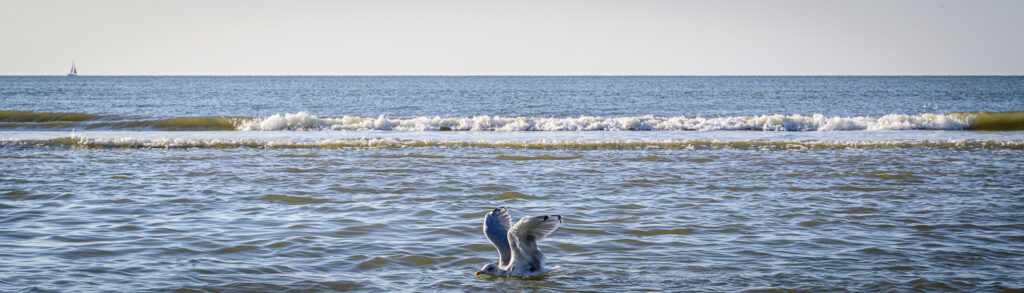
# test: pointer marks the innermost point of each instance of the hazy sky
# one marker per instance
(480, 37)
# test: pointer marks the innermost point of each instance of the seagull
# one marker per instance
(517, 245)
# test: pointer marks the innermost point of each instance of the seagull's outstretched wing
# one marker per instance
(496, 225)
(527, 258)
(533, 229)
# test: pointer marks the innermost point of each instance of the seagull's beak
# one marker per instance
(479, 273)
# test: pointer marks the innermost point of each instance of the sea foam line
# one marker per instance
(777, 122)
(992, 121)
(79, 142)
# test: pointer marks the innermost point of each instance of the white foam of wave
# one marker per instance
(778, 122)
(386, 143)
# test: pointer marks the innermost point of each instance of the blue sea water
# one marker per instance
(381, 183)
(510, 96)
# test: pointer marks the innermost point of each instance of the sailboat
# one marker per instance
(74, 71)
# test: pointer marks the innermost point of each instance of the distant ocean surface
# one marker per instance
(381, 183)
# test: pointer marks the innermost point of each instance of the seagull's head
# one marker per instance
(488, 269)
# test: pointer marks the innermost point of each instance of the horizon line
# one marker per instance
(523, 75)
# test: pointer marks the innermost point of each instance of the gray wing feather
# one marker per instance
(536, 228)
(496, 226)
(524, 237)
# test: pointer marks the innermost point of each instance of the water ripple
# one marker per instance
(394, 219)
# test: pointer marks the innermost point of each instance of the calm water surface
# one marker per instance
(100, 190)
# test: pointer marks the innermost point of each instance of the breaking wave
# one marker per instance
(390, 143)
(303, 121)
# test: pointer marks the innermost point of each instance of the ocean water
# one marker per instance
(381, 183)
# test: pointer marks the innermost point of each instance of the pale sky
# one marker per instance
(480, 37)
